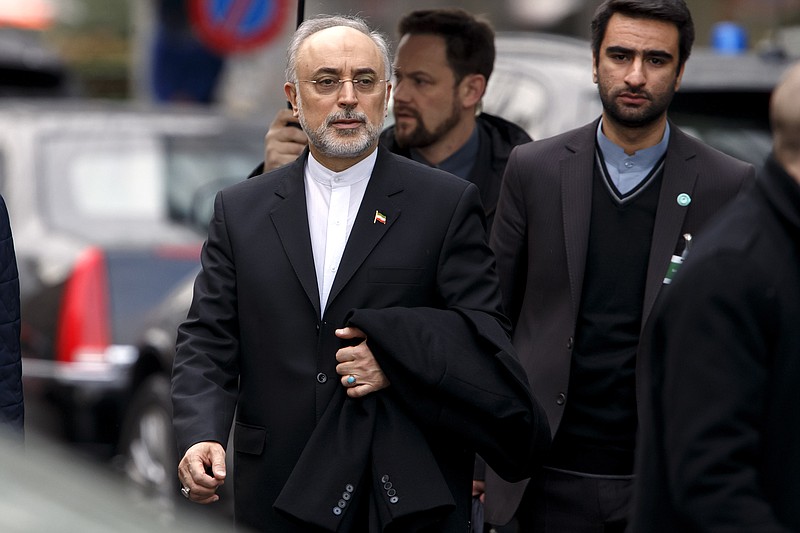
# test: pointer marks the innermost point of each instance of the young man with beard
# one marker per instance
(587, 226)
(442, 65)
(348, 315)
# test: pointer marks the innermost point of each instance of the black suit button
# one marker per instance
(342, 504)
(561, 399)
(321, 377)
(570, 343)
(387, 485)
(345, 496)
(349, 488)
(337, 511)
(394, 499)
(384, 478)
(391, 492)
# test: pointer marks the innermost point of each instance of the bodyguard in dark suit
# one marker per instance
(587, 227)
(326, 314)
(720, 435)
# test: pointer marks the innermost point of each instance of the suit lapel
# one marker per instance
(576, 206)
(380, 198)
(290, 218)
(680, 175)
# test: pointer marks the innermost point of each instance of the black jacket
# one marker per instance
(11, 408)
(497, 138)
(376, 449)
(720, 433)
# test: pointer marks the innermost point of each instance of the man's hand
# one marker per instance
(360, 372)
(479, 489)
(202, 471)
(283, 142)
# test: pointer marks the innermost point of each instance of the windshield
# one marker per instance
(126, 186)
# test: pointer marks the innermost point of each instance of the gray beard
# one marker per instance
(342, 143)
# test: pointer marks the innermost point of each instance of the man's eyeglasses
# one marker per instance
(366, 85)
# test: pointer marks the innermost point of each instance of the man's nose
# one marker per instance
(635, 76)
(347, 93)
(399, 93)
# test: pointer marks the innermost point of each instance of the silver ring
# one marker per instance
(185, 491)
(351, 379)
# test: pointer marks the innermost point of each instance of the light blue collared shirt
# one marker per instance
(628, 171)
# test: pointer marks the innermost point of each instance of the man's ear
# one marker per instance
(471, 89)
(679, 78)
(291, 95)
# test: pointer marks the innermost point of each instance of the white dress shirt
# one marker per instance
(332, 200)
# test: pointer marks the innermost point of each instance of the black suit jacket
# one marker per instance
(482, 399)
(541, 238)
(719, 447)
(254, 340)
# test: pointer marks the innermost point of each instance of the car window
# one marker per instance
(198, 167)
(90, 180)
(109, 179)
(94, 182)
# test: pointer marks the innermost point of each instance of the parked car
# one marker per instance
(724, 100)
(99, 195)
(543, 83)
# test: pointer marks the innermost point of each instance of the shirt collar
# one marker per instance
(349, 176)
(615, 157)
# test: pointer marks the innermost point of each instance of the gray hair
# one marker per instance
(323, 22)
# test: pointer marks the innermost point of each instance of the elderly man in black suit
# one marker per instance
(720, 436)
(587, 226)
(357, 264)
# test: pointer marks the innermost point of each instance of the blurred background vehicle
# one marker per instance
(99, 195)
(724, 100)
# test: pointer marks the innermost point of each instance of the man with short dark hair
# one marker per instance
(587, 226)
(442, 65)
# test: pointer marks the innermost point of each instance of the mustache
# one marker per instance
(347, 114)
(634, 92)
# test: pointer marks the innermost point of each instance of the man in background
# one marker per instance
(720, 436)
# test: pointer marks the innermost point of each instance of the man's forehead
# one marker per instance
(641, 33)
(340, 47)
(421, 52)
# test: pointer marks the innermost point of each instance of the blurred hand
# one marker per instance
(202, 471)
(358, 361)
(283, 143)
(479, 489)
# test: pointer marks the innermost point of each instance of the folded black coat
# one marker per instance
(474, 394)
